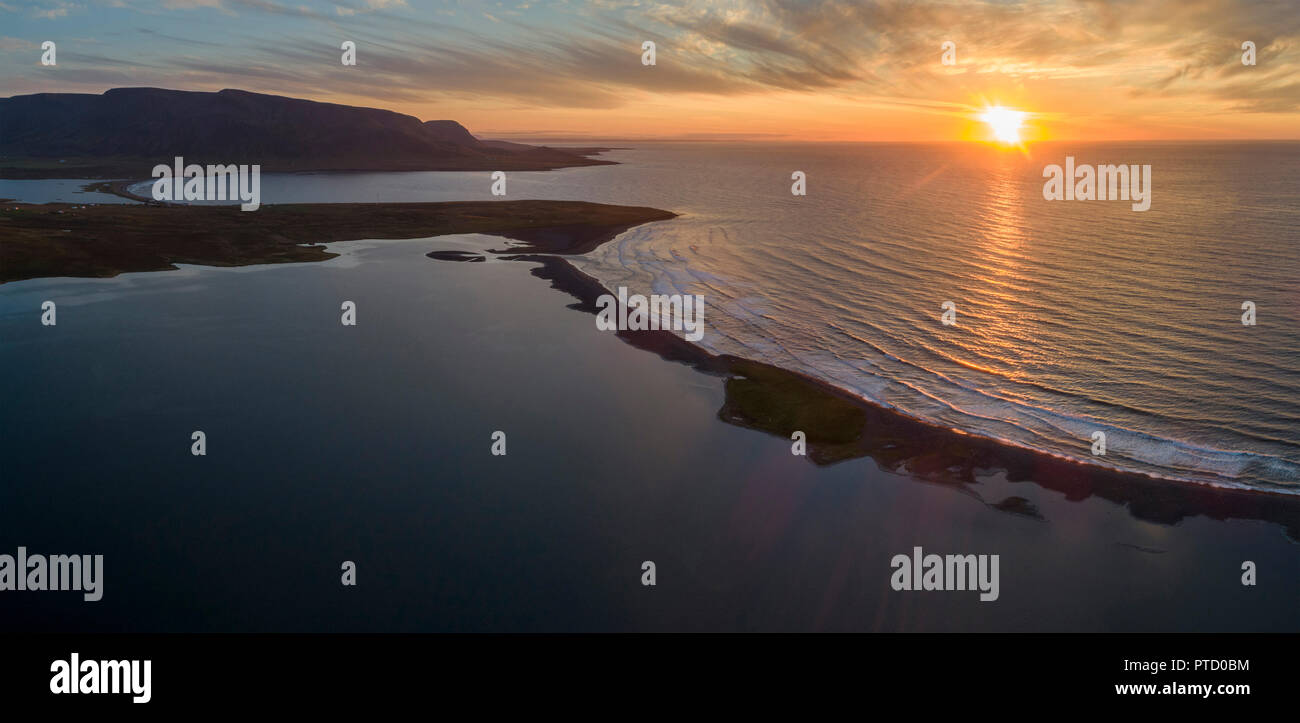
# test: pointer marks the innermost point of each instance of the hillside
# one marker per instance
(126, 131)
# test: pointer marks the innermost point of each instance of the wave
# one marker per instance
(981, 400)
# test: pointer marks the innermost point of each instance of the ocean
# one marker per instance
(1072, 317)
(371, 443)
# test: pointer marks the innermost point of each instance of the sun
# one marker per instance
(1004, 122)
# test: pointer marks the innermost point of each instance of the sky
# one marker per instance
(762, 69)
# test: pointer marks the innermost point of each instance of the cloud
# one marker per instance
(190, 4)
(53, 9)
(10, 44)
(884, 52)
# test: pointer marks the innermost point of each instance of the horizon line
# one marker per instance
(496, 135)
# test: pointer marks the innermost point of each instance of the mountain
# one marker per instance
(125, 132)
(449, 131)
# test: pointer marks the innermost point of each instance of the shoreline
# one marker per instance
(122, 188)
(101, 241)
(779, 401)
(541, 158)
(759, 396)
(774, 400)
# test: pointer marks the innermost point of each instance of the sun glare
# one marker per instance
(1004, 122)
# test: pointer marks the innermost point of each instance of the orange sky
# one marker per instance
(798, 116)
(826, 70)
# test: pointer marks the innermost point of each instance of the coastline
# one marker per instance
(840, 425)
(43, 240)
(759, 396)
(121, 188)
(370, 443)
(540, 158)
(778, 401)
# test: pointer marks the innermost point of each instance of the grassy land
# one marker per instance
(98, 241)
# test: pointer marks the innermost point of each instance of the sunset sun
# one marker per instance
(1004, 122)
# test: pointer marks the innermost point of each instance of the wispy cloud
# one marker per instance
(8, 44)
(1155, 59)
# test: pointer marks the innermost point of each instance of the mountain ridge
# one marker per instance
(127, 131)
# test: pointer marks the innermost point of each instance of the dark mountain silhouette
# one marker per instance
(127, 131)
(450, 131)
